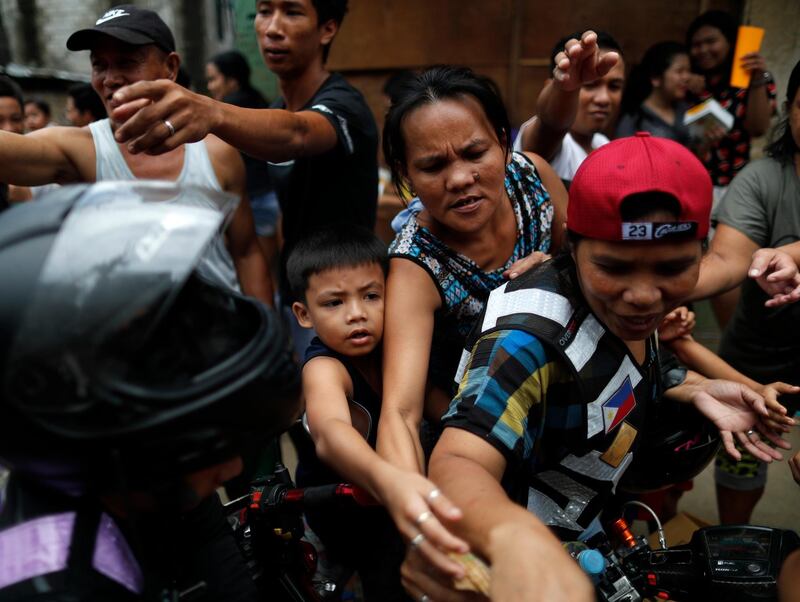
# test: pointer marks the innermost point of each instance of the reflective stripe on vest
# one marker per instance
(41, 546)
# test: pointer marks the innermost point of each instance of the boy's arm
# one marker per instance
(406, 495)
(701, 359)
(736, 410)
(268, 134)
(57, 154)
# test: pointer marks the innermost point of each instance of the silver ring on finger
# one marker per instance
(434, 494)
(170, 127)
(423, 517)
(424, 598)
(750, 433)
(416, 541)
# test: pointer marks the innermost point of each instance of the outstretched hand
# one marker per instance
(776, 273)
(678, 323)
(740, 414)
(581, 62)
(425, 582)
(419, 510)
(142, 110)
(779, 418)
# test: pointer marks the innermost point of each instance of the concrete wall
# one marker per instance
(196, 25)
(781, 46)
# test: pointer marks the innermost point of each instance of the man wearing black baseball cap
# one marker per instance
(127, 23)
(127, 45)
(319, 136)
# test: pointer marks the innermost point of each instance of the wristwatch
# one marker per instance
(763, 80)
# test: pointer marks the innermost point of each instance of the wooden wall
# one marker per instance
(508, 40)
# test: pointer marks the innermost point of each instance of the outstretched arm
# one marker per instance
(733, 257)
(580, 62)
(736, 410)
(527, 561)
(57, 154)
(268, 134)
(411, 300)
(405, 494)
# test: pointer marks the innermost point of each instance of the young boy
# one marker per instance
(338, 274)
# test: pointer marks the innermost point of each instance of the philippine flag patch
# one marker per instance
(619, 405)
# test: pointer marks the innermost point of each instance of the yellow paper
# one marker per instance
(748, 40)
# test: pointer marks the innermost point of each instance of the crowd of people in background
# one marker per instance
(457, 374)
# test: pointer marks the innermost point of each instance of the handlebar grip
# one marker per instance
(325, 495)
(672, 571)
(313, 497)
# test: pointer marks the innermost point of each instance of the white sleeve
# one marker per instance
(517, 146)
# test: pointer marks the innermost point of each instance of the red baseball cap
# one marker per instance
(628, 166)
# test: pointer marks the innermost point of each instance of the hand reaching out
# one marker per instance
(581, 62)
(143, 109)
(418, 509)
(676, 324)
(420, 578)
(777, 274)
(778, 419)
(738, 411)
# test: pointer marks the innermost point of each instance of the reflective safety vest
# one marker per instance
(574, 470)
(78, 553)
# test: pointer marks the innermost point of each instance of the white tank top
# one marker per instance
(197, 171)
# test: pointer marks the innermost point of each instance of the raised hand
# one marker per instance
(581, 62)
(755, 64)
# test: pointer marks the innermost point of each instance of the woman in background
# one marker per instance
(712, 39)
(655, 98)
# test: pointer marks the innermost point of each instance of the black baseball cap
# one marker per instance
(127, 23)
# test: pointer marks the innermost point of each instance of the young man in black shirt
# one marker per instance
(320, 137)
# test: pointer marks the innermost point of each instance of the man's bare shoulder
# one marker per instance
(227, 164)
(218, 149)
(76, 145)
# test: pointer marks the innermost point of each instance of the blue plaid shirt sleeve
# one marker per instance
(501, 395)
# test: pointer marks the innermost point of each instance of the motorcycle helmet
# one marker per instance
(677, 443)
(120, 361)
